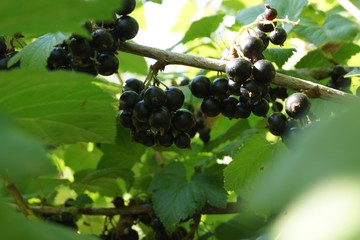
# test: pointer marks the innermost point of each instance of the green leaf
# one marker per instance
(33, 230)
(36, 53)
(41, 16)
(312, 59)
(248, 15)
(345, 52)
(82, 200)
(132, 63)
(324, 151)
(123, 154)
(21, 156)
(175, 198)
(202, 28)
(81, 156)
(58, 107)
(279, 55)
(250, 161)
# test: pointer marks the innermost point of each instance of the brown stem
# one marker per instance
(194, 227)
(19, 200)
(166, 57)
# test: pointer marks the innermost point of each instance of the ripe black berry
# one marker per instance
(238, 69)
(263, 71)
(182, 140)
(141, 111)
(128, 99)
(134, 84)
(252, 47)
(108, 64)
(126, 28)
(228, 106)
(80, 47)
(297, 105)
(160, 119)
(263, 36)
(3, 47)
(102, 40)
(154, 97)
(205, 136)
(57, 58)
(219, 88)
(234, 88)
(125, 119)
(277, 123)
(278, 36)
(164, 140)
(210, 106)
(200, 86)
(251, 90)
(260, 108)
(183, 120)
(127, 6)
(242, 110)
(265, 27)
(174, 98)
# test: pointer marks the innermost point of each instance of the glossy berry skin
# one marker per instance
(277, 123)
(174, 98)
(263, 71)
(102, 40)
(134, 84)
(80, 47)
(251, 90)
(57, 58)
(270, 13)
(200, 86)
(127, 100)
(278, 36)
(219, 88)
(126, 28)
(164, 140)
(127, 7)
(252, 47)
(242, 110)
(124, 119)
(183, 120)
(228, 106)
(108, 64)
(234, 88)
(238, 70)
(210, 106)
(141, 111)
(160, 119)
(263, 36)
(265, 27)
(297, 105)
(260, 108)
(3, 47)
(154, 97)
(182, 140)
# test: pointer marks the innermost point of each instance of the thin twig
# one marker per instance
(312, 89)
(18, 198)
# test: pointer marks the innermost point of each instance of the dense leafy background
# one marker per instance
(58, 128)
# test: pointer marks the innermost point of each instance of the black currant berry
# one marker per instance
(263, 36)
(57, 58)
(165, 140)
(252, 47)
(242, 110)
(277, 106)
(183, 120)
(234, 88)
(108, 64)
(265, 27)
(174, 98)
(126, 28)
(337, 72)
(3, 47)
(278, 92)
(182, 140)
(219, 88)
(140, 125)
(127, 6)
(278, 36)
(102, 40)
(270, 13)
(228, 107)
(200, 86)
(260, 108)
(263, 71)
(297, 105)
(134, 84)
(118, 202)
(131, 235)
(80, 47)
(127, 100)
(125, 119)
(205, 136)
(184, 82)
(238, 70)
(154, 97)
(160, 119)
(277, 123)
(141, 111)
(251, 90)
(210, 106)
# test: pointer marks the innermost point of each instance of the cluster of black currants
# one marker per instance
(161, 234)
(155, 116)
(128, 234)
(5, 54)
(98, 54)
(338, 81)
(297, 107)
